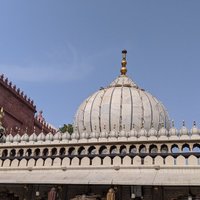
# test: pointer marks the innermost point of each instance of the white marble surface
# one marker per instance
(120, 105)
(115, 175)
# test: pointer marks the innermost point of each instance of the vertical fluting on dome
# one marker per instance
(131, 103)
(151, 110)
(99, 115)
(91, 111)
(110, 107)
(114, 104)
(121, 108)
(124, 63)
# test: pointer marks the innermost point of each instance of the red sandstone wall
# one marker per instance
(18, 114)
(19, 111)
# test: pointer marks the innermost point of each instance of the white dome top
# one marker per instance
(121, 105)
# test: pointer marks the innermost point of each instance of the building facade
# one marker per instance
(19, 110)
(123, 147)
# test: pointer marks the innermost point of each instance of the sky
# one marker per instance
(60, 52)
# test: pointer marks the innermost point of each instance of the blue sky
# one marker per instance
(60, 52)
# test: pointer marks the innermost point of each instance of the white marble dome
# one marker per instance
(120, 105)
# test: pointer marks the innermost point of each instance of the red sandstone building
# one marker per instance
(19, 110)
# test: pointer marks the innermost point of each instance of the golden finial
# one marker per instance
(1, 115)
(124, 62)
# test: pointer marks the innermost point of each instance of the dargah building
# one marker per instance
(123, 147)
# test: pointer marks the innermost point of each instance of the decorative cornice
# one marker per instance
(106, 137)
(17, 92)
(44, 125)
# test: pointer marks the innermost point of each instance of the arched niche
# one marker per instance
(57, 162)
(107, 161)
(148, 160)
(23, 162)
(15, 163)
(96, 161)
(126, 160)
(85, 161)
(117, 160)
(65, 162)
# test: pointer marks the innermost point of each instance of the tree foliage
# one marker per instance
(66, 128)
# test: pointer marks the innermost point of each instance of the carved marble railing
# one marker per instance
(116, 162)
(141, 148)
(113, 136)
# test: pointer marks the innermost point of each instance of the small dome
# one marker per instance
(97, 135)
(113, 133)
(65, 136)
(128, 133)
(84, 135)
(93, 134)
(122, 133)
(194, 130)
(17, 138)
(143, 132)
(57, 136)
(133, 133)
(41, 137)
(153, 132)
(77, 136)
(9, 138)
(173, 131)
(49, 137)
(120, 104)
(33, 137)
(163, 132)
(73, 136)
(104, 134)
(184, 130)
(25, 137)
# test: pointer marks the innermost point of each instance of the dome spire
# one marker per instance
(124, 62)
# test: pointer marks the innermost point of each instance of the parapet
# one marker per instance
(16, 91)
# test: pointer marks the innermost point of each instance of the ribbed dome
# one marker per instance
(122, 105)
